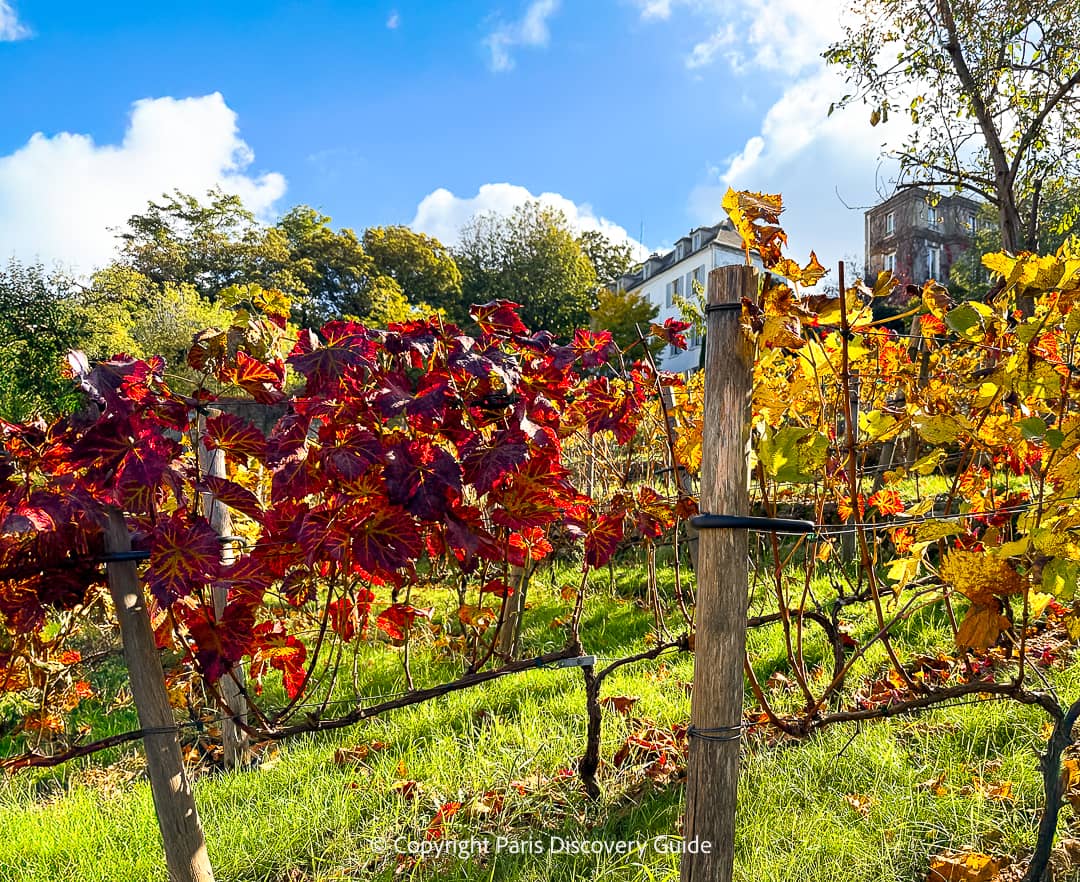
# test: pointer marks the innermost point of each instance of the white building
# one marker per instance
(662, 277)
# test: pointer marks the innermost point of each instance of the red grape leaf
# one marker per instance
(233, 495)
(603, 540)
(396, 620)
(228, 432)
(184, 553)
(498, 318)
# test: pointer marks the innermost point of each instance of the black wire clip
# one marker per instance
(722, 307)
(580, 661)
(720, 733)
(766, 525)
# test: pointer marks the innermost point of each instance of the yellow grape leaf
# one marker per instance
(1000, 263)
(982, 626)
(986, 393)
(1057, 540)
(857, 348)
(877, 426)
(793, 454)
(1037, 603)
(968, 866)
(1000, 792)
(1072, 625)
(1012, 549)
(935, 785)
(939, 428)
(902, 570)
(479, 617)
(921, 508)
(756, 217)
(931, 531)
(891, 477)
(1070, 773)
(885, 284)
(272, 302)
(782, 332)
(980, 577)
(936, 299)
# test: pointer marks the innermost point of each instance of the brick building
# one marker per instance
(917, 238)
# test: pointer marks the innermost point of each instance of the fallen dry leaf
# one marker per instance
(859, 803)
(968, 866)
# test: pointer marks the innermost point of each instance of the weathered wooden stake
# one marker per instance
(174, 802)
(234, 740)
(722, 579)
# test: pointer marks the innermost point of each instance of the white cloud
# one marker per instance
(11, 28)
(530, 30)
(442, 214)
(818, 162)
(655, 9)
(704, 52)
(785, 36)
(61, 194)
(393, 22)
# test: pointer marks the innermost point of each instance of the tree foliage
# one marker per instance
(39, 322)
(208, 246)
(422, 266)
(625, 314)
(529, 257)
(609, 259)
(991, 88)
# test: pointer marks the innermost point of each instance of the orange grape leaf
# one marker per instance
(1000, 792)
(981, 627)
(888, 502)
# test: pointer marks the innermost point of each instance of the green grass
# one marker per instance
(304, 817)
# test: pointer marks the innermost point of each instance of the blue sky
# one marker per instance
(630, 114)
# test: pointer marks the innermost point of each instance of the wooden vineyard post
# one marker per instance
(722, 580)
(178, 819)
(234, 741)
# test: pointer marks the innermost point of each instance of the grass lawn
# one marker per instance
(869, 803)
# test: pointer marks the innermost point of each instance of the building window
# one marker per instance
(890, 223)
(933, 262)
(888, 263)
(697, 241)
(933, 216)
(972, 224)
(698, 278)
(674, 289)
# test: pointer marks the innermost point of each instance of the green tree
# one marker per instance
(208, 246)
(609, 259)
(333, 274)
(993, 90)
(622, 313)
(421, 265)
(532, 258)
(39, 324)
(129, 313)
